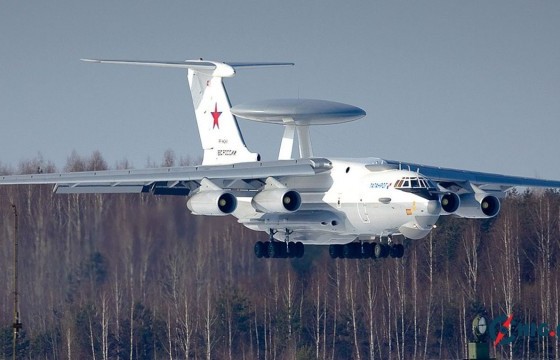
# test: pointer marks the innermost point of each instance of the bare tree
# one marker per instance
(168, 158)
(471, 242)
(430, 275)
(508, 264)
(354, 316)
(75, 163)
(36, 165)
(104, 327)
(208, 324)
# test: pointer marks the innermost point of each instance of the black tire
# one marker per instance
(373, 246)
(401, 251)
(300, 249)
(381, 250)
(397, 251)
(377, 250)
(349, 251)
(335, 251)
(274, 250)
(260, 249)
(367, 250)
(292, 252)
(282, 250)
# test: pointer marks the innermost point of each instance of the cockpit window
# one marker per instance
(414, 183)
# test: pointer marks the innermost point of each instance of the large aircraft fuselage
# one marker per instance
(355, 200)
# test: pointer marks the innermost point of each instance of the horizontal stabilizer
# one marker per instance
(212, 67)
(220, 136)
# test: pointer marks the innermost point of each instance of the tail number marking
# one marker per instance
(227, 152)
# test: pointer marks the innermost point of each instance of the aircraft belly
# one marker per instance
(326, 218)
(303, 220)
(410, 218)
(382, 218)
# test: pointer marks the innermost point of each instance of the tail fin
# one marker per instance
(220, 136)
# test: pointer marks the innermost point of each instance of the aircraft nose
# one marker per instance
(419, 227)
(426, 221)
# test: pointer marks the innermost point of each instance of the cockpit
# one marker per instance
(409, 183)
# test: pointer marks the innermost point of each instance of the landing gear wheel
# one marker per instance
(380, 250)
(261, 249)
(349, 251)
(373, 253)
(276, 249)
(299, 250)
(335, 251)
(367, 250)
(397, 251)
(292, 252)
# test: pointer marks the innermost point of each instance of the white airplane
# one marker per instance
(357, 206)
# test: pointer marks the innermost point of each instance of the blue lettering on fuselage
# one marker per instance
(379, 185)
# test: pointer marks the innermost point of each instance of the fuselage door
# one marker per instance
(362, 210)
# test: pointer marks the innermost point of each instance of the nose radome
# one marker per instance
(434, 207)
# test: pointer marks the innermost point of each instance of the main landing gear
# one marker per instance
(279, 250)
(364, 250)
(355, 250)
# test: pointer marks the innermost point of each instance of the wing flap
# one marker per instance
(99, 189)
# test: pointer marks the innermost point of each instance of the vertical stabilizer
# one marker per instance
(220, 136)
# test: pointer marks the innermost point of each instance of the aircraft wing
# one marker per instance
(485, 181)
(172, 180)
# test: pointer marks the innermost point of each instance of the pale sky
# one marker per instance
(464, 84)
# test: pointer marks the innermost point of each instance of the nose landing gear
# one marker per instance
(365, 250)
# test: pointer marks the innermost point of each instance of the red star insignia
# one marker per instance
(216, 115)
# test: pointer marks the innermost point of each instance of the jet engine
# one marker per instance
(450, 202)
(478, 206)
(212, 202)
(276, 201)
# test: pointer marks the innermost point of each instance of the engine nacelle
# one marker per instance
(212, 202)
(450, 202)
(277, 201)
(478, 206)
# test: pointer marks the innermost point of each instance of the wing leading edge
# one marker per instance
(481, 179)
(170, 181)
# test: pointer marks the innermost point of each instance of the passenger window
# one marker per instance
(406, 184)
(414, 183)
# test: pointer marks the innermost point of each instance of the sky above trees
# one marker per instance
(458, 84)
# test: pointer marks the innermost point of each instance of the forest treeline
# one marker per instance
(138, 277)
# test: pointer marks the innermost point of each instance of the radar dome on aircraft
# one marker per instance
(298, 111)
(297, 115)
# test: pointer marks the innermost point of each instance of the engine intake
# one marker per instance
(490, 205)
(276, 201)
(478, 206)
(213, 202)
(450, 202)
